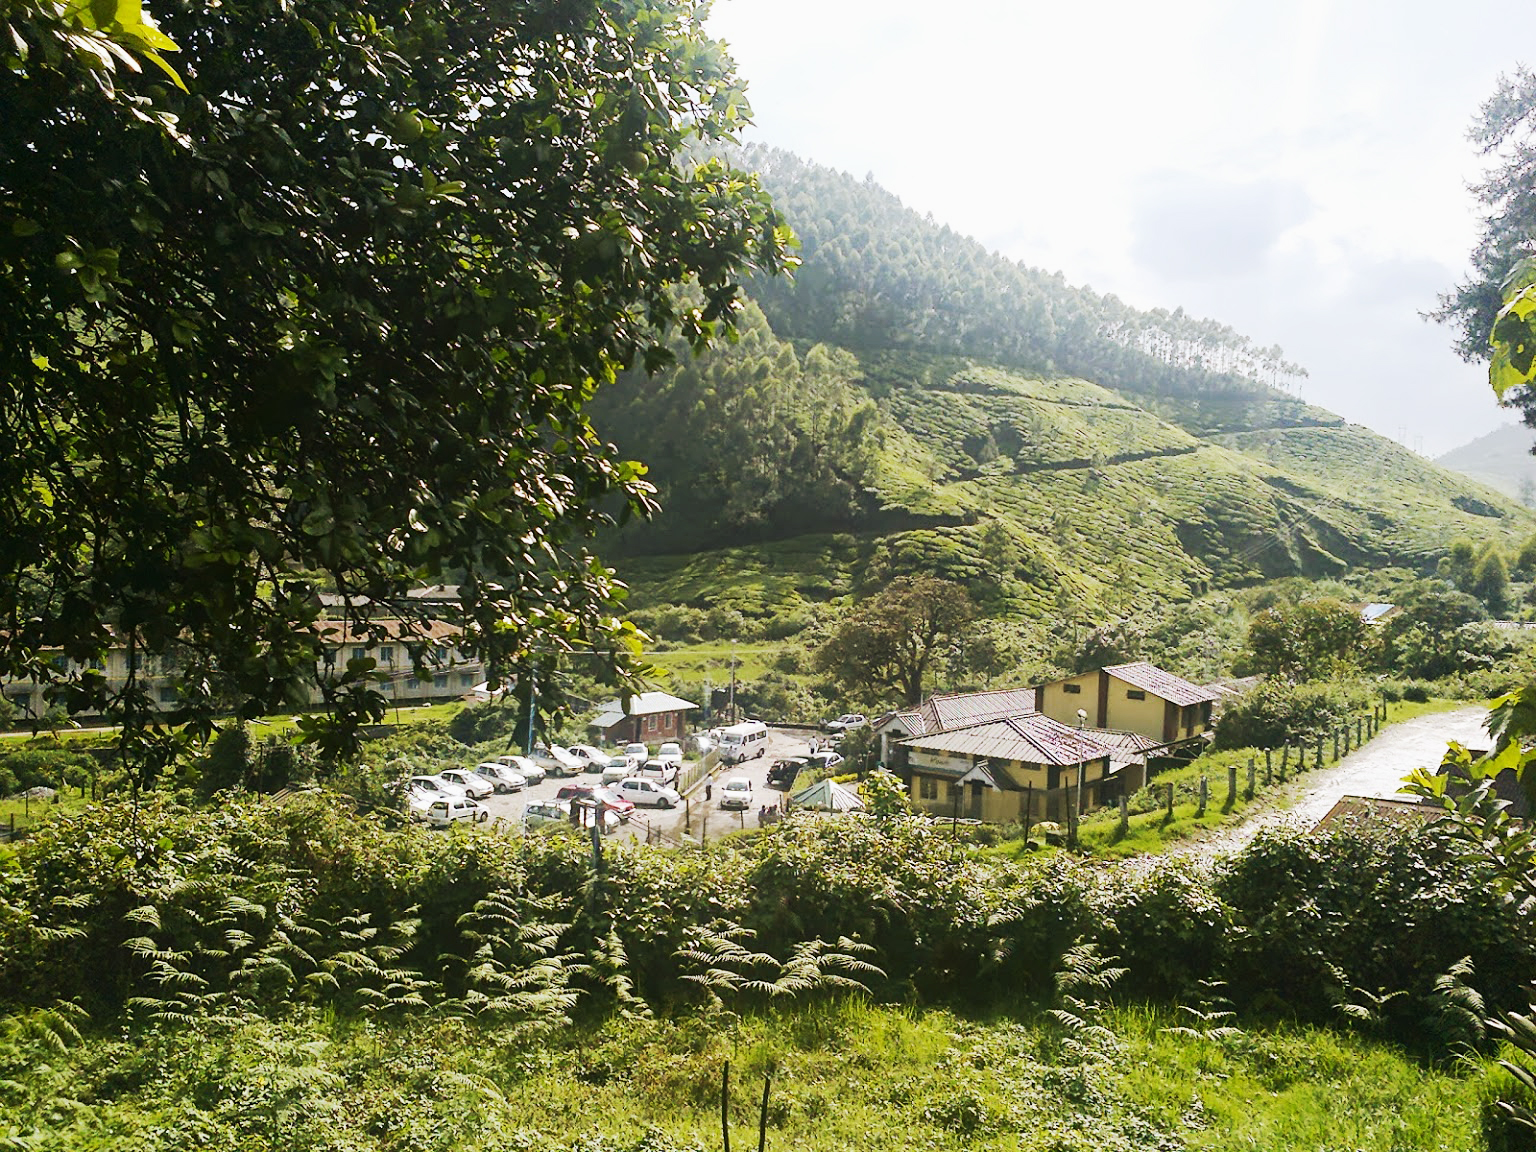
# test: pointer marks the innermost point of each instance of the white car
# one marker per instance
(475, 786)
(672, 752)
(592, 759)
(537, 813)
(434, 786)
(825, 761)
(662, 771)
(455, 810)
(502, 778)
(531, 772)
(556, 760)
(637, 754)
(737, 793)
(846, 722)
(648, 793)
(616, 769)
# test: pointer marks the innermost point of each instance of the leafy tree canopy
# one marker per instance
(1311, 640)
(888, 643)
(330, 317)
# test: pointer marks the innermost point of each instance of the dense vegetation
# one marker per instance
(301, 949)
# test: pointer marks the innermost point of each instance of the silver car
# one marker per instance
(502, 778)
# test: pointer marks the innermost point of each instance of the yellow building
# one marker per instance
(1139, 698)
(1005, 770)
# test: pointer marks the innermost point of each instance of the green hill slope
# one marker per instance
(1502, 459)
(907, 404)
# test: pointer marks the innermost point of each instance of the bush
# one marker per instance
(44, 768)
(1277, 713)
(478, 723)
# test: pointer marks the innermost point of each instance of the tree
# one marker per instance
(329, 319)
(889, 642)
(1435, 635)
(1312, 640)
(1490, 584)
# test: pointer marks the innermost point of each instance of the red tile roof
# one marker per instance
(1030, 738)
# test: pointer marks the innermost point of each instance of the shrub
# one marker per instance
(1277, 712)
(44, 768)
(478, 723)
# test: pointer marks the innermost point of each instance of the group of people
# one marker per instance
(769, 814)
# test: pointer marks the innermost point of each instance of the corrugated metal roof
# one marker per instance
(959, 709)
(647, 704)
(1165, 685)
(1032, 738)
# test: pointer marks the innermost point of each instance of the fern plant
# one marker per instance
(510, 968)
(1083, 985)
(723, 966)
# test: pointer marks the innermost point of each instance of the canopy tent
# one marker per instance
(827, 796)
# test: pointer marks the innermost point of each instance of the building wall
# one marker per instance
(1050, 798)
(1060, 702)
(655, 728)
(1131, 715)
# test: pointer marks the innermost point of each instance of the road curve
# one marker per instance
(1374, 770)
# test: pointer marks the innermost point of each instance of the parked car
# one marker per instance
(662, 771)
(531, 772)
(592, 759)
(825, 762)
(502, 777)
(637, 754)
(701, 744)
(671, 751)
(435, 786)
(537, 813)
(455, 810)
(783, 772)
(616, 769)
(845, 722)
(556, 760)
(609, 797)
(474, 785)
(737, 793)
(648, 793)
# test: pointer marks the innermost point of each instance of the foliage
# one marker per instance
(27, 768)
(336, 328)
(888, 642)
(489, 720)
(1437, 633)
(1314, 640)
(1277, 713)
(1118, 642)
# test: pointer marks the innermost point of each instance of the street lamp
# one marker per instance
(1082, 759)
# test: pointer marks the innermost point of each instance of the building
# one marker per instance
(943, 712)
(644, 719)
(1138, 697)
(445, 673)
(1011, 769)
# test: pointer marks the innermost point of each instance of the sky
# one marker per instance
(1298, 170)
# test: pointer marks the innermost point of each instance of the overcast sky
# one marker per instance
(1297, 170)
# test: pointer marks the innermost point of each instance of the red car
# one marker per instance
(609, 799)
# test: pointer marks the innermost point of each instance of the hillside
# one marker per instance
(910, 401)
(1502, 459)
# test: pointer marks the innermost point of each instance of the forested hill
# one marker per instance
(959, 412)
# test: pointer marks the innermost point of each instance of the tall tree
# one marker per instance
(890, 642)
(330, 317)
(1312, 640)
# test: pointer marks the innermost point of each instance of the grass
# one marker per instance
(844, 1077)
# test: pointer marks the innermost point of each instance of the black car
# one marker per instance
(783, 773)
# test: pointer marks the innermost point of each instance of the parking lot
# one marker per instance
(696, 818)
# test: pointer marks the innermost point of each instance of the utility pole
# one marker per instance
(732, 710)
(533, 697)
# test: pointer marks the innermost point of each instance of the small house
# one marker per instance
(648, 718)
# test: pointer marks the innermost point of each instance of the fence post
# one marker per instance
(1359, 724)
(1253, 767)
(1285, 760)
(1205, 789)
(1125, 814)
(1335, 745)
(1029, 810)
(1170, 799)
(1231, 784)
(1269, 767)
(1319, 763)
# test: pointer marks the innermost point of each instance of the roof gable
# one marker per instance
(1031, 738)
(1164, 685)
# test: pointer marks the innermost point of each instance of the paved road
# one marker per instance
(1374, 770)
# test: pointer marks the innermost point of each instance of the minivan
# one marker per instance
(743, 741)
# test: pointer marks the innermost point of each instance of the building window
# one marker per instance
(412, 683)
(954, 791)
(359, 653)
(1135, 694)
(467, 679)
(386, 655)
(440, 681)
(1072, 689)
(167, 695)
(927, 788)
(650, 723)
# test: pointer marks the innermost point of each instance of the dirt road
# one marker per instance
(1375, 770)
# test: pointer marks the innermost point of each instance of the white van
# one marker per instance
(743, 741)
